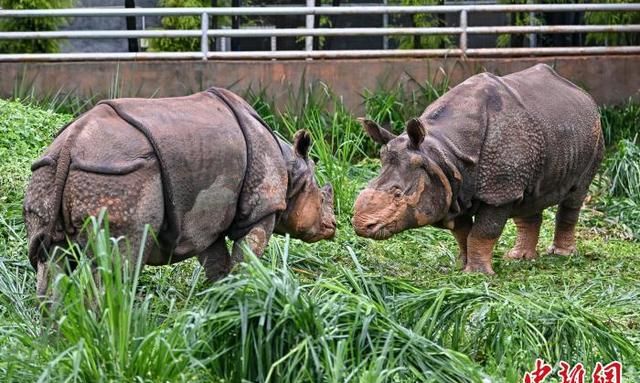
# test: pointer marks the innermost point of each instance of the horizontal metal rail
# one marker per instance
(344, 54)
(302, 10)
(286, 32)
(204, 33)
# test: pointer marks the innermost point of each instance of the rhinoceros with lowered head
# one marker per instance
(197, 169)
(490, 149)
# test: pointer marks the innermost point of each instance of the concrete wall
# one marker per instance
(610, 79)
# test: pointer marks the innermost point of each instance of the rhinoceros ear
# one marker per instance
(416, 132)
(302, 143)
(376, 132)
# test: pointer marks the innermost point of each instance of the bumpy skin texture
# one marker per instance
(197, 169)
(489, 149)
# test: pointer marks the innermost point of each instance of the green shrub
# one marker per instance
(29, 24)
(183, 44)
(613, 18)
(24, 133)
(423, 20)
(179, 44)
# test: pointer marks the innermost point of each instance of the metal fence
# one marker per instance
(309, 32)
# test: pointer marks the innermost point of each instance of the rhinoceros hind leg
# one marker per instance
(216, 260)
(487, 227)
(564, 239)
(527, 240)
(131, 201)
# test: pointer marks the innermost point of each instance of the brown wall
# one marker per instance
(610, 79)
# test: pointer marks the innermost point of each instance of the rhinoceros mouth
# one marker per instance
(375, 230)
(327, 232)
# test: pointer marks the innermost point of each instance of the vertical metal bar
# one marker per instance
(131, 26)
(213, 24)
(385, 24)
(308, 40)
(225, 42)
(274, 43)
(316, 24)
(463, 34)
(235, 24)
(204, 39)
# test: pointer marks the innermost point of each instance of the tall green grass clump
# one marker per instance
(393, 106)
(259, 324)
(623, 169)
(504, 330)
(621, 181)
(98, 327)
(271, 327)
(620, 174)
(620, 122)
(109, 332)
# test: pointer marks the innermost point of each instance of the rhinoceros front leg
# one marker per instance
(256, 239)
(527, 240)
(487, 227)
(216, 260)
(461, 229)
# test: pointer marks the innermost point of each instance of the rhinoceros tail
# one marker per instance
(42, 239)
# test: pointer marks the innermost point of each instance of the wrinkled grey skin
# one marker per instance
(489, 149)
(201, 177)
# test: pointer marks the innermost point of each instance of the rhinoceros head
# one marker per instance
(411, 190)
(309, 214)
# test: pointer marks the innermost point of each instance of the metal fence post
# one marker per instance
(385, 24)
(463, 34)
(204, 39)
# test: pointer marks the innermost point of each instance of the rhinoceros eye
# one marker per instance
(397, 191)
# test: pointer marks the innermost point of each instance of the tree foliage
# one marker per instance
(184, 44)
(29, 24)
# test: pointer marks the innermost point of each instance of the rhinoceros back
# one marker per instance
(564, 131)
(203, 159)
(531, 135)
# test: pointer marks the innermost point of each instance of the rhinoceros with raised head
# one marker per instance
(489, 149)
(197, 169)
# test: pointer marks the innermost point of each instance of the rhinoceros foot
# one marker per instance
(518, 253)
(563, 251)
(478, 268)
